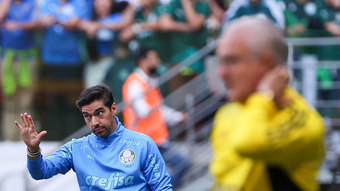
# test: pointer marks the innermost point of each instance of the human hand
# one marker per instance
(275, 82)
(71, 24)
(299, 29)
(47, 21)
(296, 30)
(91, 28)
(11, 25)
(185, 116)
(213, 24)
(127, 34)
(333, 28)
(28, 132)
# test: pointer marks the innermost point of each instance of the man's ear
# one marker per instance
(267, 61)
(114, 108)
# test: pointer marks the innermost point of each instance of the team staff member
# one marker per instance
(111, 158)
(267, 137)
(146, 113)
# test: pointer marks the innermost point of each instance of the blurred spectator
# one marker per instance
(102, 33)
(264, 8)
(329, 14)
(126, 9)
(18, 62)
(302, 20)
(146, 113)
(118, 66)
(146, 28)
(268, 137)
(306, 18)
(62, 56)
(218, 8)
(60, 19)
(134, 3)
(185, 19)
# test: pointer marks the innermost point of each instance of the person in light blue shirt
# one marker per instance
(19, 23)
(111, 158)
(62, 56)
(102, 34)
(60, 19)
(18, 61)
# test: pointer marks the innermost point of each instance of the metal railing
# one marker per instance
(291, 42)
(199, 99)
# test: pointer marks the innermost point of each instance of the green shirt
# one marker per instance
(312, 16)
(268, 8)
(149, 38)
(328, 13)
(184, 44)
(305, 15)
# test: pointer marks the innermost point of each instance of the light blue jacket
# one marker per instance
(125, 160)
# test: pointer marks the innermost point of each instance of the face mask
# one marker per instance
(153, 72)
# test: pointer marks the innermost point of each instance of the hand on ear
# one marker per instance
(276, 81)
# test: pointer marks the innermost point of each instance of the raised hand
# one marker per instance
(28, 132)
(276, 81)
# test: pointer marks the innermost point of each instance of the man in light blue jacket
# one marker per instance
(111, 158)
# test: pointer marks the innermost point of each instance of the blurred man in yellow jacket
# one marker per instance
(267, 137)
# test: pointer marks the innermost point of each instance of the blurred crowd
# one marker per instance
(58, 47)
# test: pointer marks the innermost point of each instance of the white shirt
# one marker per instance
(142, 108)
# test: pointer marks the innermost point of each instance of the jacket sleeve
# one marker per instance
(155, 170)
(137, 98)
(267, 133)
(171, 116)
(59, 162)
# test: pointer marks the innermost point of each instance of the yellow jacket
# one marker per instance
(249, 137)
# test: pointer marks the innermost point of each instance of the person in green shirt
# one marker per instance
(185, 22)
(307, 18)
(301, 18)
(270, 9)
(330, 15)
(302, 22)
(145, 28)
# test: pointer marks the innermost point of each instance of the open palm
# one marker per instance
(28, 132)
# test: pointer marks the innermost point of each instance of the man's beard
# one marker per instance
(104, 131)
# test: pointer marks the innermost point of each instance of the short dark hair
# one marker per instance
(98, 92)
(142, 53)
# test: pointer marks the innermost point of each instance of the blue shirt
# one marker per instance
(18, 39)
(125, 160)
(106, 37)
(62, 46)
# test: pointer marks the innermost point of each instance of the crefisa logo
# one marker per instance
(127, 156)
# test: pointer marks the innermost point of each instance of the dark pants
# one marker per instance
(177, 163)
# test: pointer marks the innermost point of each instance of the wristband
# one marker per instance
(33, 155)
